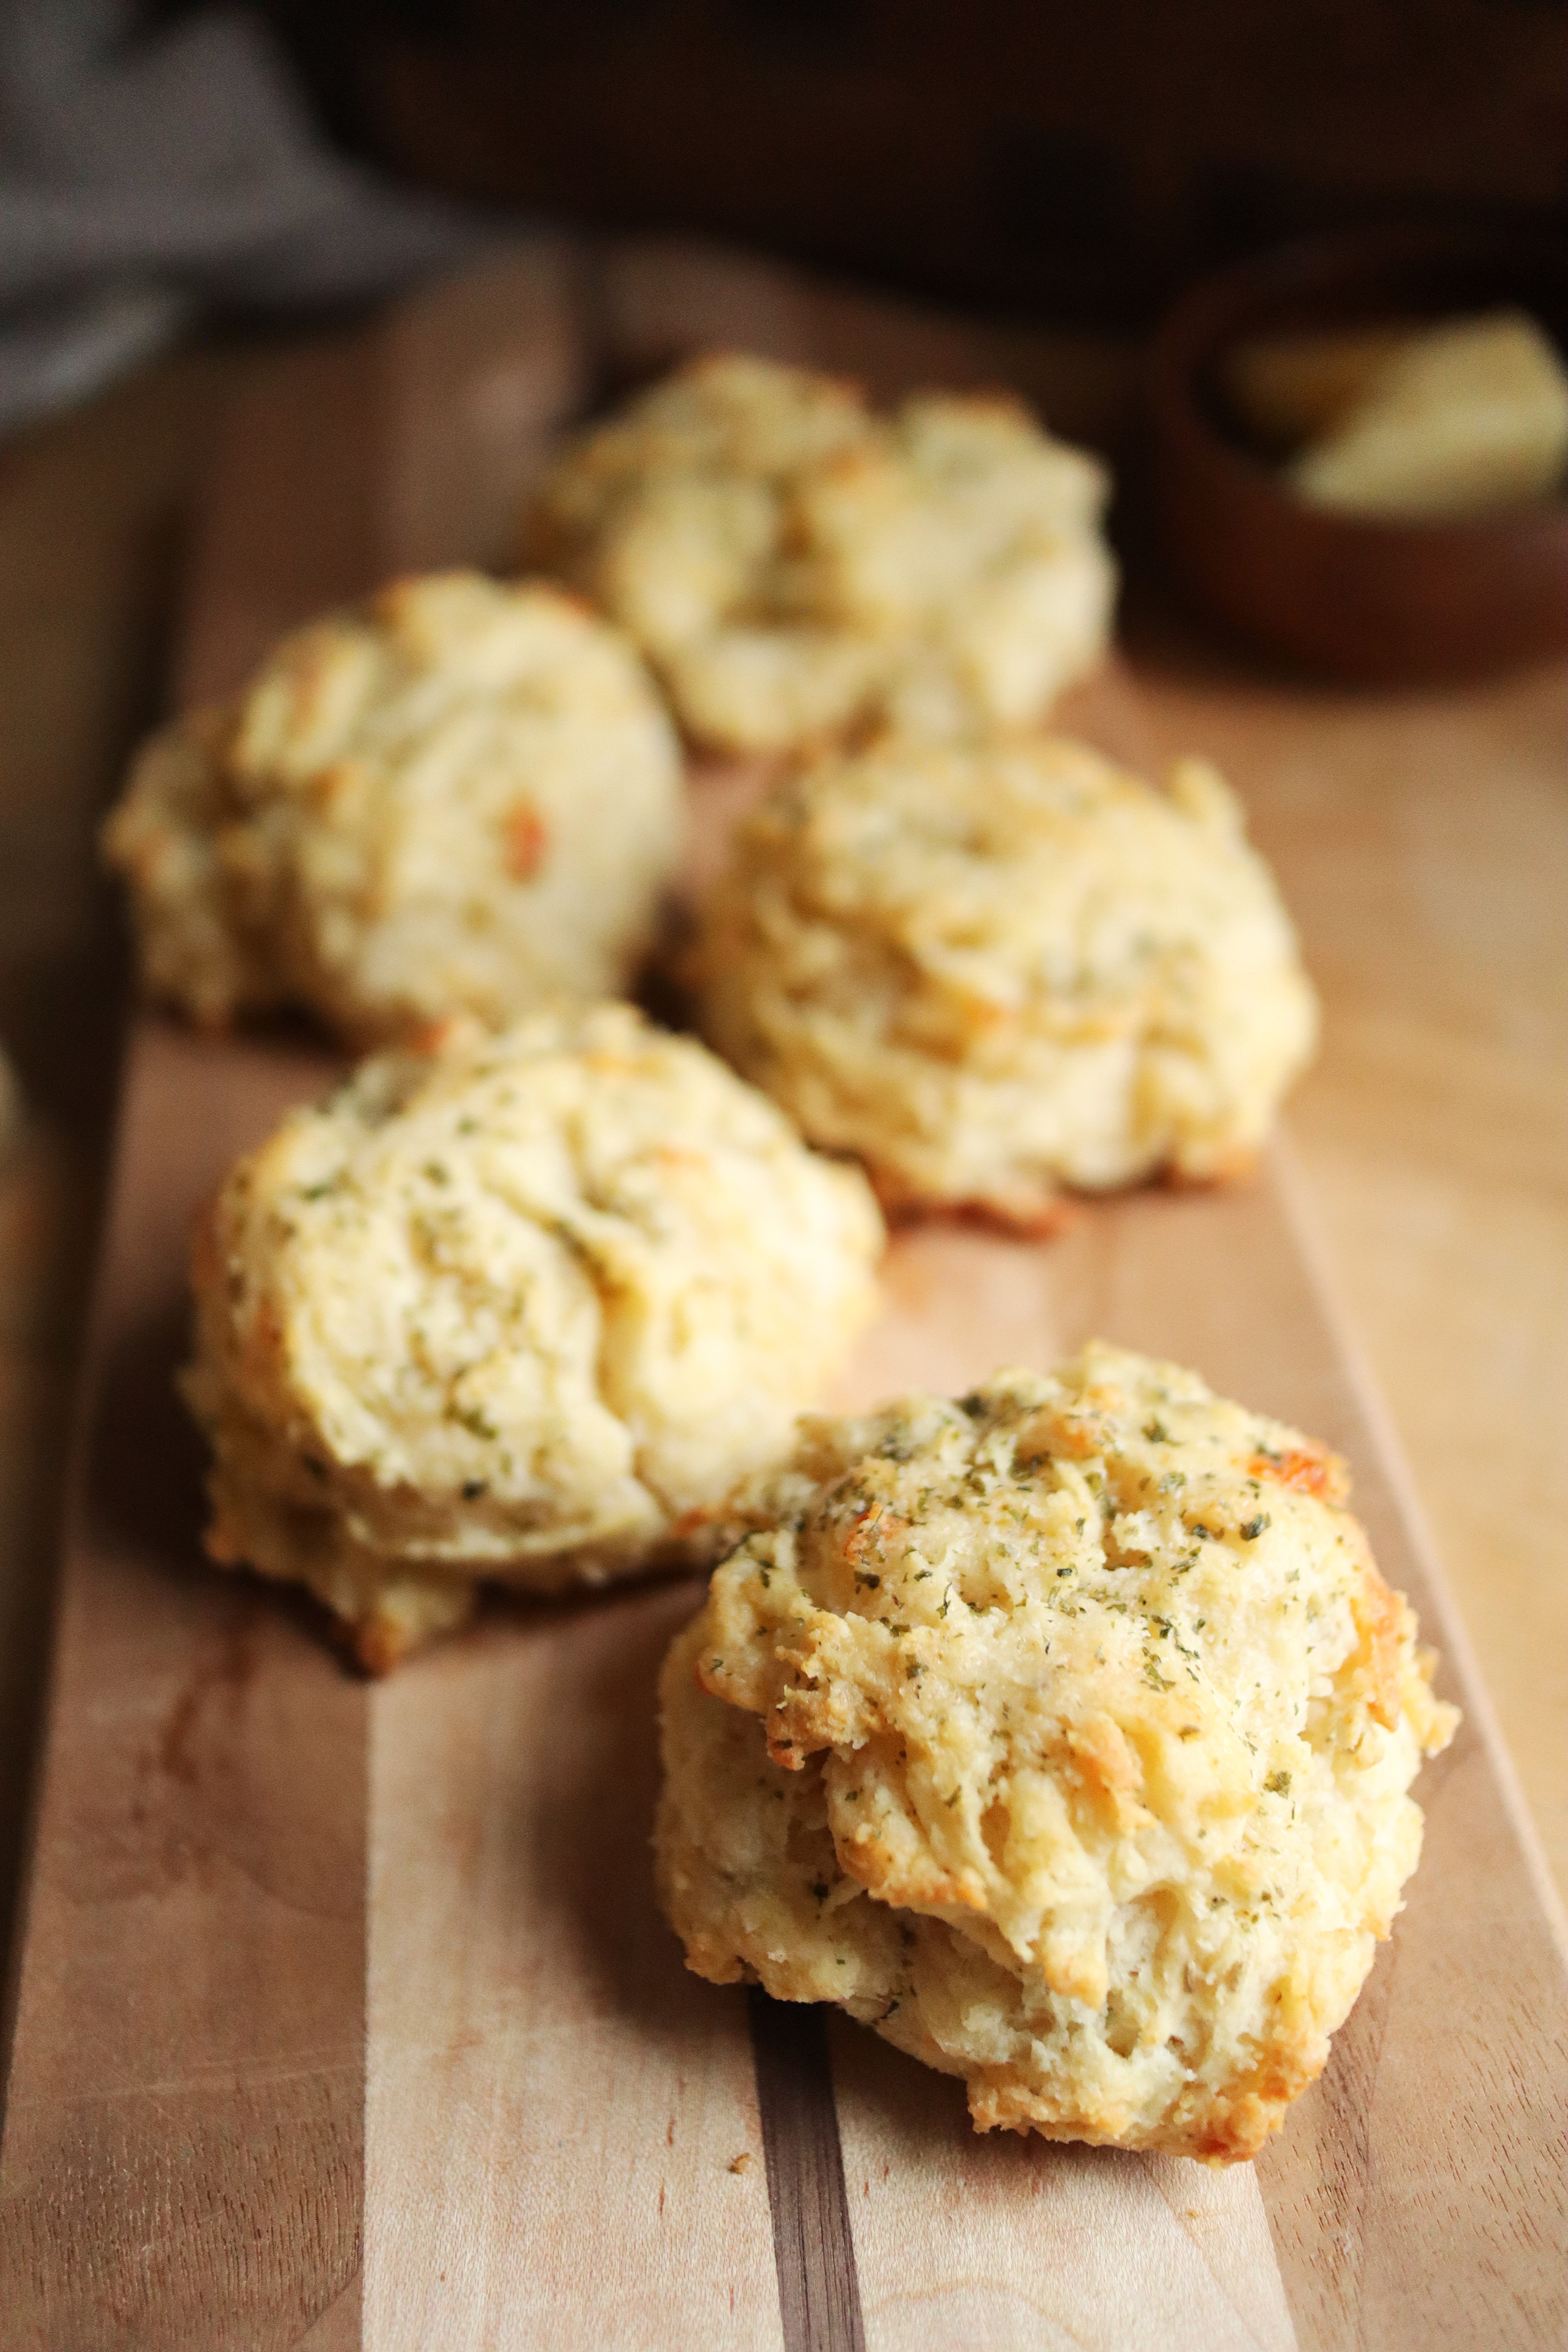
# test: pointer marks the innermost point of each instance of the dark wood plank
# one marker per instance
(813, 2247)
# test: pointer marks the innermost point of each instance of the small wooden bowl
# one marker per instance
(1386, 602)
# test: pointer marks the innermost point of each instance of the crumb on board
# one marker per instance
(742, 2163)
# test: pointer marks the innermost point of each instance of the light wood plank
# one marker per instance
(1005, 2244)
(1421, 844)
(556, 2106)
(478, 375)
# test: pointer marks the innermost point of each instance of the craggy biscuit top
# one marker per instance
(794, 564)
(465, 797)
(1080, 1725)
(515, 1308)
(994, 969)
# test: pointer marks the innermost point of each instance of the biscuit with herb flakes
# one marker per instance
(794, 565)
(523, 1308)
(464, 798)
(998, 970)
(1062, 1734)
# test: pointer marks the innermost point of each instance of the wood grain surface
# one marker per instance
(184, 2151)
(307, 1962)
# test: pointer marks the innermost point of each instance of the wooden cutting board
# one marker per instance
(344, 2015)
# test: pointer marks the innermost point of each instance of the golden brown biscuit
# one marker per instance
(523, 1308)
(464, 799)
(997, 969)
(1063, 1735)
(794, 565)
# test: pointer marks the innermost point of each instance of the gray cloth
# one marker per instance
(142, 180)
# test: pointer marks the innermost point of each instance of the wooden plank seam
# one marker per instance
(814, 2247)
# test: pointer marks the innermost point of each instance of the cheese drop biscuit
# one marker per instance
(524, 1308)
(794, 565)
(998, 969)
(466, 798)
(1063, 1735)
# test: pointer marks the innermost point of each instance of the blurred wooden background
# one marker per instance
(1048, 154)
